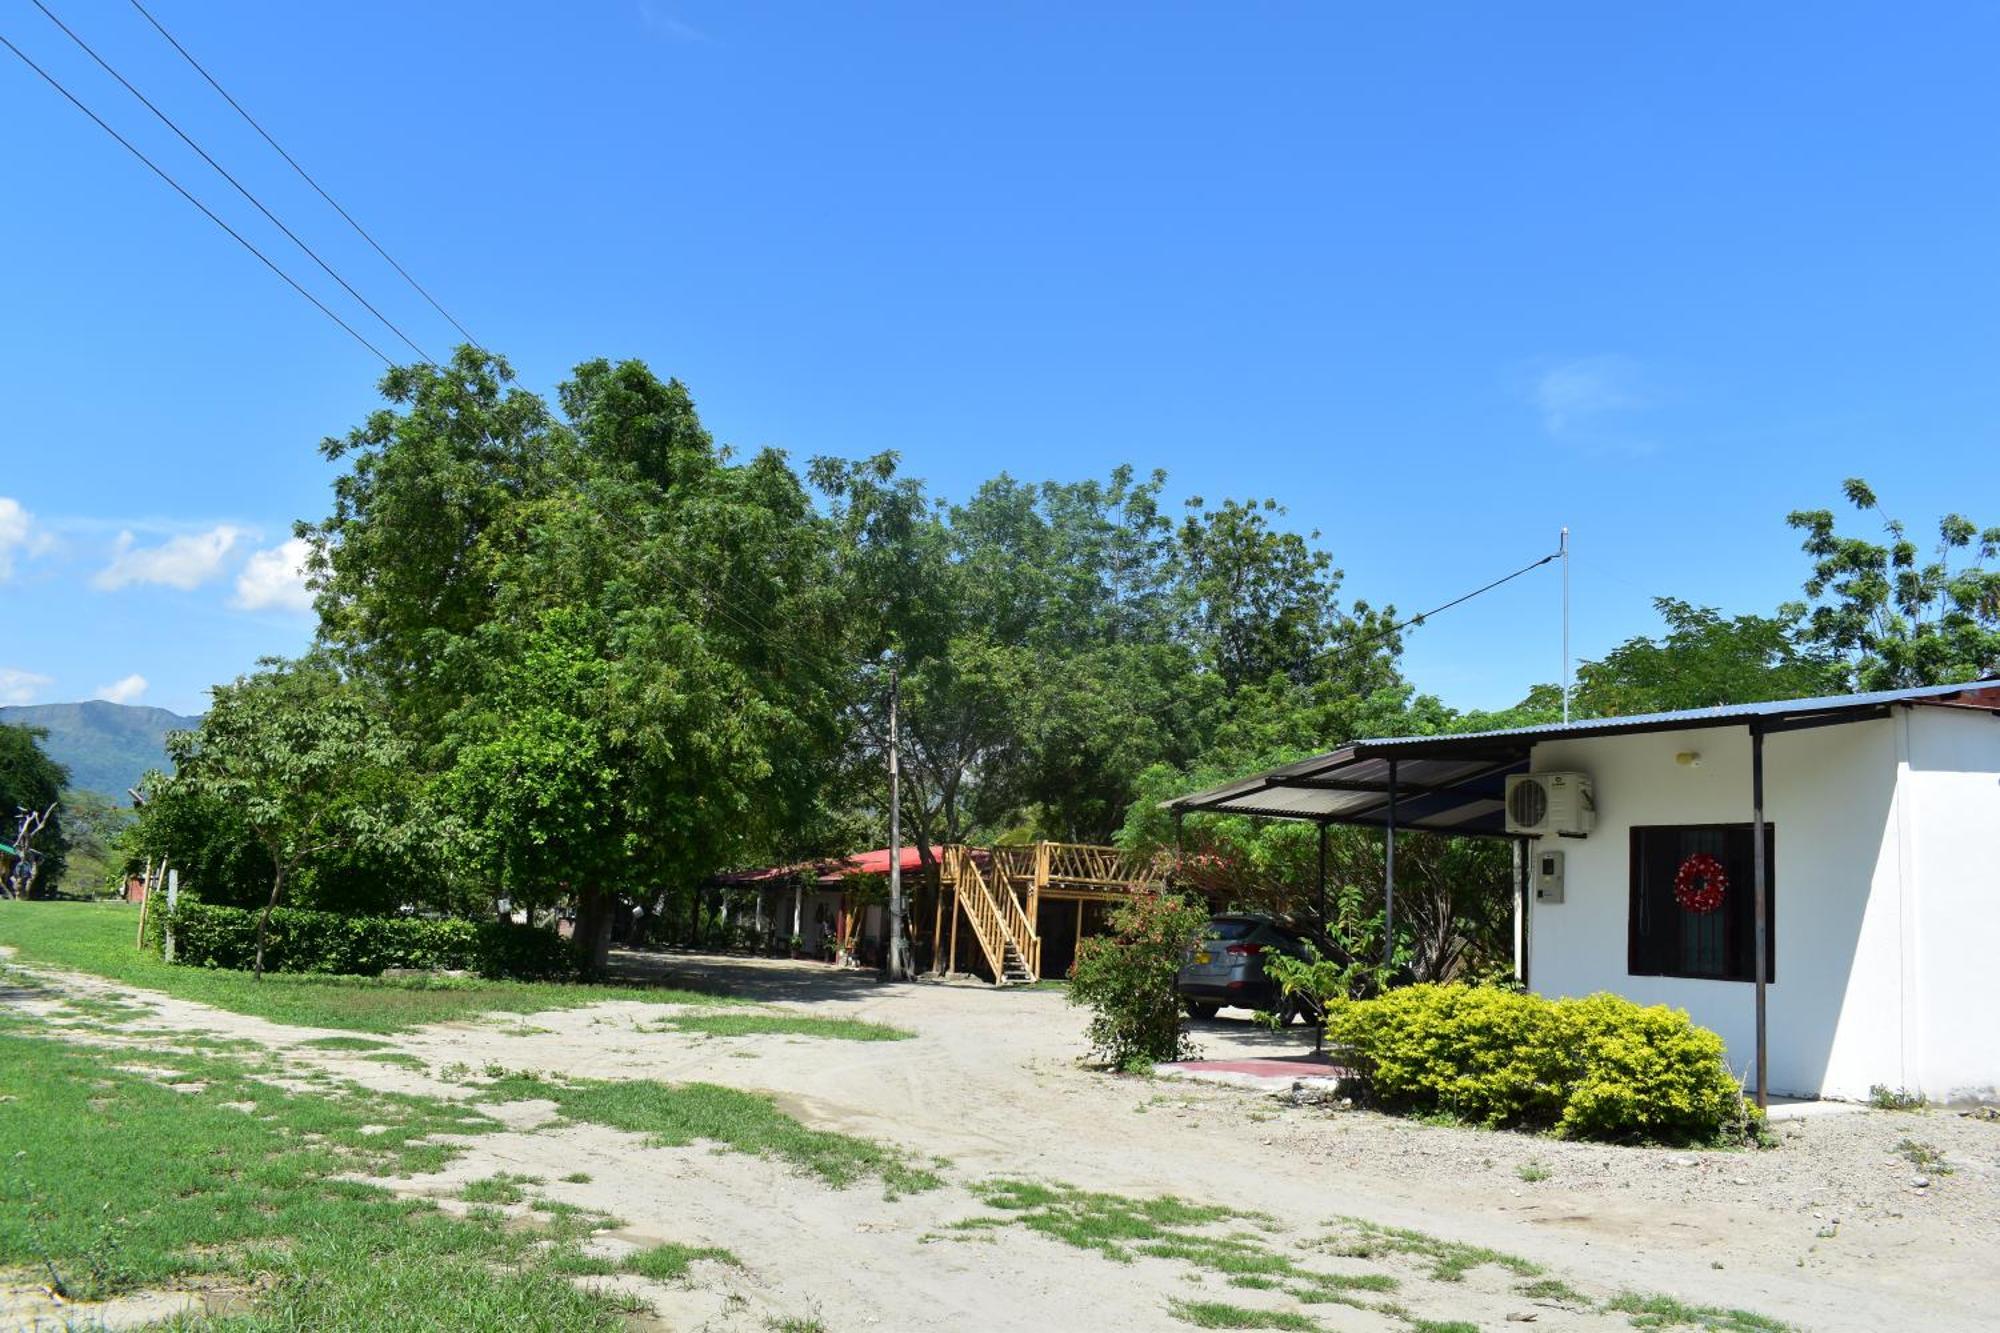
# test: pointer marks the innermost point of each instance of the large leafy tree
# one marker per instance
(1894, 614)
(1703, 659)
(611, 640)
(305, 759)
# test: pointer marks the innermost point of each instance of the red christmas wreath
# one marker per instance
(1700, 883)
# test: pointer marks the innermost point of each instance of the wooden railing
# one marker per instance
(996, 912)
(975, 897)
(1107, 867)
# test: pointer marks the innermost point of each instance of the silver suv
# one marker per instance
(1225, 967)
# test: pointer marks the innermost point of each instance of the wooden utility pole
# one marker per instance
(896, 957)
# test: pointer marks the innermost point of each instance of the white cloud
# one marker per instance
(123, 691)
(21, 687)
(19, 533)
(274, 579)
(1576, 394)
(179, 562)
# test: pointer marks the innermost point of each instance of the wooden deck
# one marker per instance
(1000, 891)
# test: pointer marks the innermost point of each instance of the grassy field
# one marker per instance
(122, 1175)
(97, 938)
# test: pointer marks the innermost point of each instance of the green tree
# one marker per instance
(1703, 659)
(31, 781)
(307, 762)
(1892, 616)
(615, 647)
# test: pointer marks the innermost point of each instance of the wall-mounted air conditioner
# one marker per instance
(1540, 804)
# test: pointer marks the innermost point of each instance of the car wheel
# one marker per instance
(1202, 1013)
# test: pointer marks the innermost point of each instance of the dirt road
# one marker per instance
(1829, 1230)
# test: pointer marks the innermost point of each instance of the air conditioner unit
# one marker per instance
(1543, 803)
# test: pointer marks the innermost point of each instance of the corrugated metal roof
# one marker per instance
(1456, 783)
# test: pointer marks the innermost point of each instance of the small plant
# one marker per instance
(1925, 1157)
(1127, 980)
(1532, 1172)
(1885, 1098)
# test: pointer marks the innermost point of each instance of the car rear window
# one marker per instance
(1231, 928)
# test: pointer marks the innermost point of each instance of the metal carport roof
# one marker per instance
(1455, 783)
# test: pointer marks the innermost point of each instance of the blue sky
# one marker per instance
(1442, 279)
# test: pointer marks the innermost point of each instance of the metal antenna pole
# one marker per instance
(1562, 549)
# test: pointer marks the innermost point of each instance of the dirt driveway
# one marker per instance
(1828, 1230)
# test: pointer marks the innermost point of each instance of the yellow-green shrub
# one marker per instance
(1601, 1067)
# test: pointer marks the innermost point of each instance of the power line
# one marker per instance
(207, 212)
(1423, 616)
(222, 171)
(293, 163)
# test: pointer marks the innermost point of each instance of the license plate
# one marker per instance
(1204, 957)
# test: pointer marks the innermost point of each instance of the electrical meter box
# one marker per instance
(1548, 877)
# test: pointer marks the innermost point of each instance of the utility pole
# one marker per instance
(895, 958)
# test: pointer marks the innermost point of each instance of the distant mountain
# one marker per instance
(107, 747)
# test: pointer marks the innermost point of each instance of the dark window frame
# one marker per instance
(1641, 956)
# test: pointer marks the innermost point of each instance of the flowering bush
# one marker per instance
(1600, 1067)
(1127, 978)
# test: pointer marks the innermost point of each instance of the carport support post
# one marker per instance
(1761, 892)
(1319, 1028)
(1389, 878)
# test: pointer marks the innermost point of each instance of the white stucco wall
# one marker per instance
(1952, 777)
(1838, 1005)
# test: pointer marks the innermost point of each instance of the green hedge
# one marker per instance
(1598, 1068)
(206, 935)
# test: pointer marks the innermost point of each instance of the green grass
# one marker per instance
(112, 1180)
(675, 1114)
(1551, 1289)
(670, 1263)
(97, 938)
(401, 1059)
(1449, 1260)
(781, 1025)
(502, 1188)
(346, 1044)
(1220, 1314)
(1666, 1312)
(1532, 1172)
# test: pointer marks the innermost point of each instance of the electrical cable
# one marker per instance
(207, 212)
(223, 172)
(293, 163)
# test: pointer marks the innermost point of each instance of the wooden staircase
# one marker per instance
(1000, 922)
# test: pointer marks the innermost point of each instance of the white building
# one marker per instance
(1882, 883)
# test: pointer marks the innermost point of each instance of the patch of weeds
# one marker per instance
(1885, 1098)
(1221, 1314)
(1111, 1224)
(577, 1178)
(1339, 1288)
(1442, 1326)
(502, 1188)
(1532, 1172)
(670, 1263)
(677, 1114)
(1551, 1289)
(1925, 1156)
(781, 1025)
(1450, 1260)
(812, 1325)
(1667, 1312)
(346, 1044)
(401, 1059)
